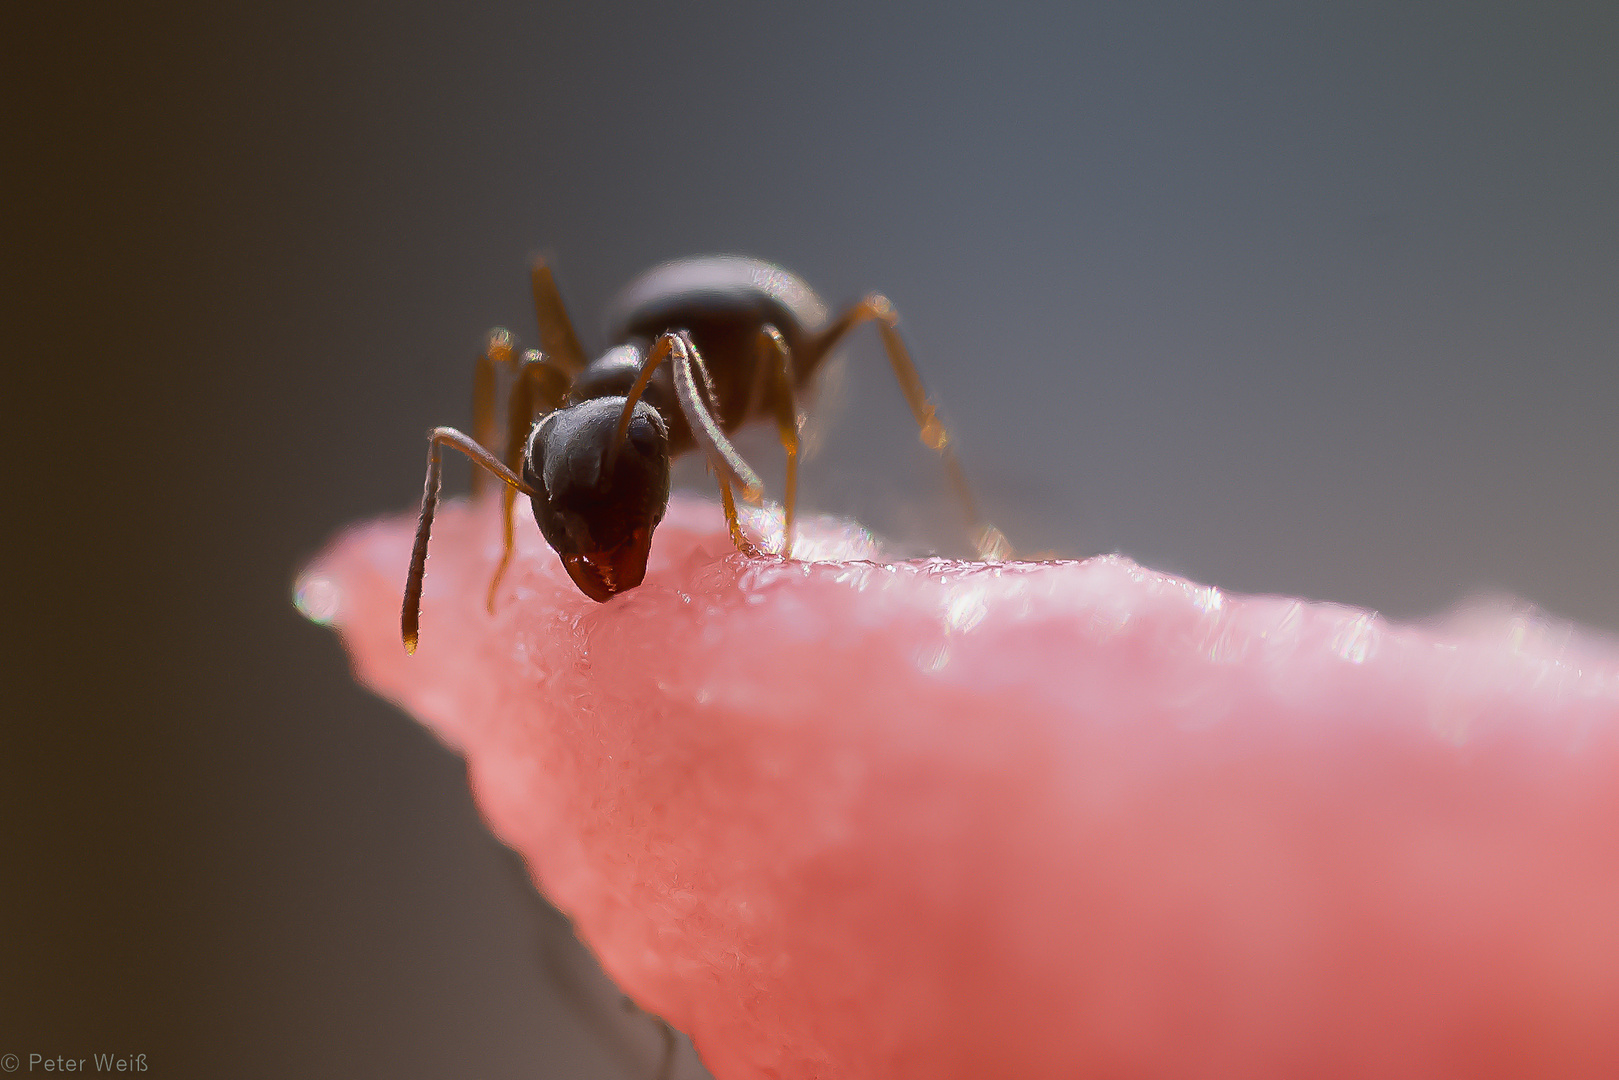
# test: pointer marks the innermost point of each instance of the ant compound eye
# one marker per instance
(583, 509)
(648, 437)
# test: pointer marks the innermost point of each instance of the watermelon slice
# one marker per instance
(849, 818)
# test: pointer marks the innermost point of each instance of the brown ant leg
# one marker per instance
(410, 613)
(695, 391)
(498, 351)
(739, 539)
(699, 413)
(541, 387)
(557, 339)
(780, 366)
(990, 541)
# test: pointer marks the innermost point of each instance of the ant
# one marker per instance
(706, 345)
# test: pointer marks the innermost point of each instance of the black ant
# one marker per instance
(741, 337)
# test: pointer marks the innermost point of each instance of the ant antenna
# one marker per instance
(411, 613)
(697, 407)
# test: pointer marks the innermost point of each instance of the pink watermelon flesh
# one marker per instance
(848, 818)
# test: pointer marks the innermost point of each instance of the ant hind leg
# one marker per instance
(990, 542)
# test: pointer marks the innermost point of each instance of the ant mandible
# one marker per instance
(706, 345)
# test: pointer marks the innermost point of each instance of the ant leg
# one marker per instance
(738, 538)
(990, 541)
(699, 413)
(780, 365)
(558, 341)
(700, 406)
(557, 338)
(541, 387)
(497, 352)
(698, 402)
(410, 613)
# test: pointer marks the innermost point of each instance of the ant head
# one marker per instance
(596, 506)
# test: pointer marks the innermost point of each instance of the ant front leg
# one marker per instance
(695, 392)
(775, 364)
(700, 409)
(990, 541)
(733, 522)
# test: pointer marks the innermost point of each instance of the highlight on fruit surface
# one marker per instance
(843, 817)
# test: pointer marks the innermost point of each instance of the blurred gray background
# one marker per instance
(1281, 297)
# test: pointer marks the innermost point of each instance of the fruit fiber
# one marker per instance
(846, 818)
